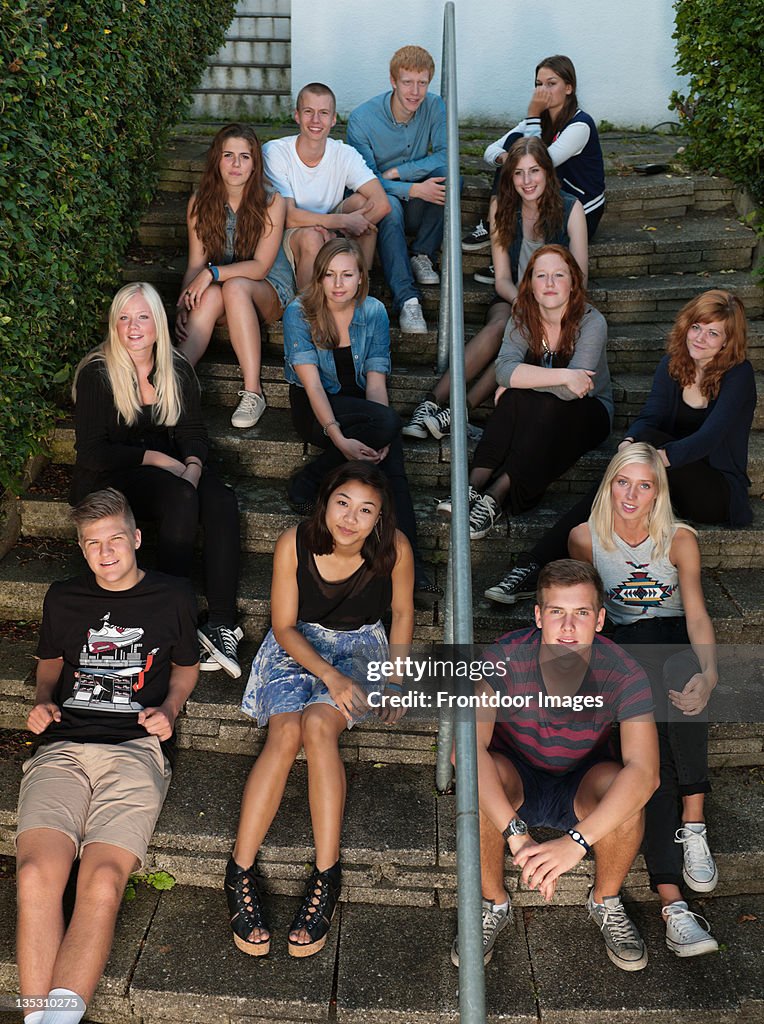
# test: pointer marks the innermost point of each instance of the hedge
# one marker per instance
(719, 45)
(88, 92)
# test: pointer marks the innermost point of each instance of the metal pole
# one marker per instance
(443, 769)
(471, 977)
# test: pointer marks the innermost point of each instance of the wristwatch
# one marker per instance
(516, 827)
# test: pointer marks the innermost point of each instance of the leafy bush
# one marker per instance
(719, 47)
(88, 92)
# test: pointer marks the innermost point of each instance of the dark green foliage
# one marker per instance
(720, 45)
(88, 92)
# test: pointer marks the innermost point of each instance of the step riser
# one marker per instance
(253, 51)
(221, 78)
(228, 107)
(261, 26)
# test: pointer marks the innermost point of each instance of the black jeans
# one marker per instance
(534, 437)
(377, 426)
(698, 492)
(179, 509)
(683, 741)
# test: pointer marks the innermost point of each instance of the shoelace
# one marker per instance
(514, 578)
(696, 849)
(443, 416)
(491, 921)
(483, 512)
(685, 921)
(229, 641)
(248, 400)
(423, 411)
(620, 926)
(479, 230)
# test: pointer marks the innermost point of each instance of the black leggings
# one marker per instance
(683, 741)
(178, 508)
(698, 492)
(377, 426)
(534, 437)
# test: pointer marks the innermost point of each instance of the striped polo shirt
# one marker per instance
(553, 739)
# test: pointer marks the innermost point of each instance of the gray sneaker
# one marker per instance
(423, 270)
(411, 318)
(249, 410)
(495, 920)
(416, 427)
(623, 942)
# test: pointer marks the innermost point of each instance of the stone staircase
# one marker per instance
(249, 78)
(663, 239)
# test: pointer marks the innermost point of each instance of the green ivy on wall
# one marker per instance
(719, 45)
(88, 92)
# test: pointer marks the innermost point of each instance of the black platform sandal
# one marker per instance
(245, 908)
(322, 891)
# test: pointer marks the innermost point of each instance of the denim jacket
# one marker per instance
(369, 343)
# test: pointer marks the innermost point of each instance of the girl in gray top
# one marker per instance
(554, 400)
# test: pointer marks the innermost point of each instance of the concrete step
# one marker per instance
(276, 53)
(387, 964)
(268, 25)
(222, 76)
(732, 563)
(697, 242)
(240, 104)
(399, 836)
(652, 298)
(212, 720)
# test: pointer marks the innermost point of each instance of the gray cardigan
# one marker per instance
(590, 353)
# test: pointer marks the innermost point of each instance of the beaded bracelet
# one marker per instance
(331, 423)
(576, 836)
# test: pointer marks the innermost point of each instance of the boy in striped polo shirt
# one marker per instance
(549, 760)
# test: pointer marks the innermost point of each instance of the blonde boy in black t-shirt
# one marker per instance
(117, 658)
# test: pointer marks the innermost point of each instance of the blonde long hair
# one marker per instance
(662, 523)
(120, 370)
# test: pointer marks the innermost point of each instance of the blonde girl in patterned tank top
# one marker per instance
(645, 557)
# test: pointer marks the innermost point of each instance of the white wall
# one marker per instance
(623, 52)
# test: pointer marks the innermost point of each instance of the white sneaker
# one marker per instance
(700, 871)
(423, 270)
(685, 935)
(411, 319)
(473, 497)
(416, 425)
(249, 410)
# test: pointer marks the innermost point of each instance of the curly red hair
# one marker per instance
(713, 305)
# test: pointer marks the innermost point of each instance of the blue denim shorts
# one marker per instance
(281, 279)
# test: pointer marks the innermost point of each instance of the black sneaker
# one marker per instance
(519, 583)
(485, 276)
(207, 663)
(223, 644)
(477, 239)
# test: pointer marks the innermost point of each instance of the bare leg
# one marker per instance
(479, 352)
(693, 807)
(104, 870)
(493, 848)
(367, 242)
(244, 300)
(614, 853)
(322, 726)
(669, 893)
(44, 859)
(201, 323)
(305, 245)
(265, 786)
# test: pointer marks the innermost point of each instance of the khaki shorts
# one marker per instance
(290, 231)
(96, 792)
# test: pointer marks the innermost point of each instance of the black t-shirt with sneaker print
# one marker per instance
(118, 648)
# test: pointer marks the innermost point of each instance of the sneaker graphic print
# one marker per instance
(112, 667)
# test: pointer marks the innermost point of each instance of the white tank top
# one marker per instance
(638, 585)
